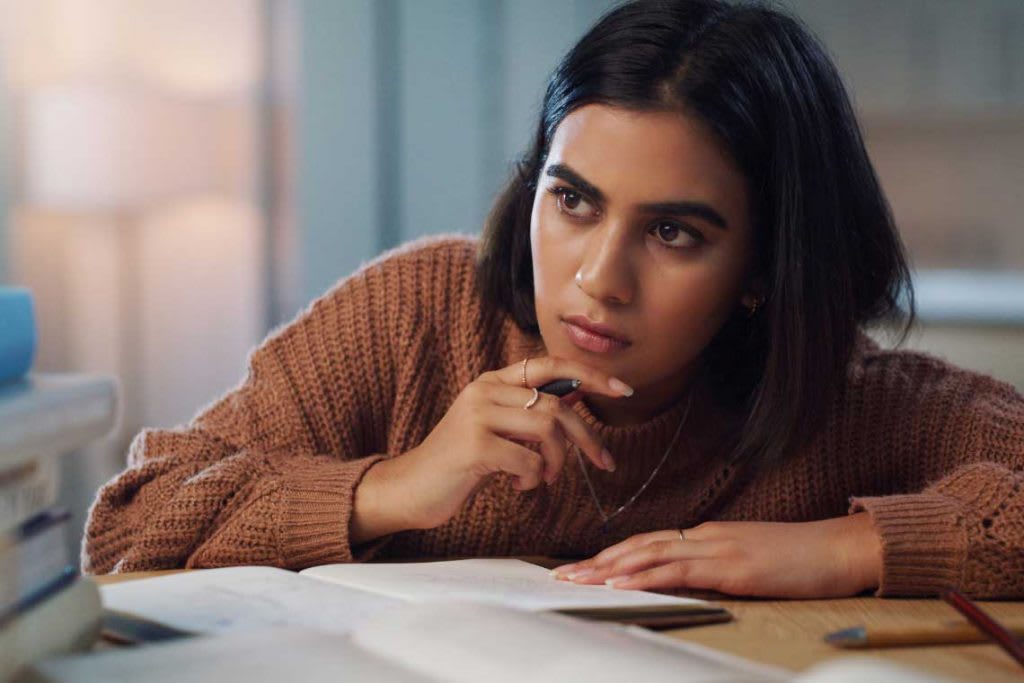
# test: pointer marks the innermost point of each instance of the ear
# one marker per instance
(753, 292)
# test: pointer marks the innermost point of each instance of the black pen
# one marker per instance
(560, 387)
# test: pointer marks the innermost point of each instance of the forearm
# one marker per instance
(415, 490)
(376, 510)
(858, 549)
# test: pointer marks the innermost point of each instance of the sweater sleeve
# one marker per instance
(966, 529)
(267, 473)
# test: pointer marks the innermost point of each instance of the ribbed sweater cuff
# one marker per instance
(318, 509)
(924, 543)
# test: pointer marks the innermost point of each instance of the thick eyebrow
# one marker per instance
(675, 208)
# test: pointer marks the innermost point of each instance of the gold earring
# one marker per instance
(753, 308)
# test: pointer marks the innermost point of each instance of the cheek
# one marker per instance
(544, 229)
(539, 250)
(552, 256)
(693, 302)
(545, 264)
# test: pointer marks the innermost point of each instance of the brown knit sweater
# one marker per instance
(266, 474)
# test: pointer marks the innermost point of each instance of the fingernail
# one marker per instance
(620, 386)
(580, 574)
(616, 580)
(606, 458)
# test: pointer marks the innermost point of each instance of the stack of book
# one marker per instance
(45, 607)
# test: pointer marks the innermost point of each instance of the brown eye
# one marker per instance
(673, 236)
(668, 232)
(571, 199)
(569, 202)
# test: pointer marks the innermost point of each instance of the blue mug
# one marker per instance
(17, 333)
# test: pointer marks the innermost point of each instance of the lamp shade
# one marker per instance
(195, 47)
(96, 148)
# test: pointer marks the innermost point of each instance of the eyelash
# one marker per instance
(559, 192)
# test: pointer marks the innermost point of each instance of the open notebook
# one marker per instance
(468, 620)
(215, 600)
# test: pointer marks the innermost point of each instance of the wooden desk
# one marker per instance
(788, 633)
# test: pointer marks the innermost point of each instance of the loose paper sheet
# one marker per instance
(258, 656)
(471, 642)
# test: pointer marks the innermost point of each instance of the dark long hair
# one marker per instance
(825, 243)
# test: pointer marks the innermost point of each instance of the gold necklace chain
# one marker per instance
(605, 517)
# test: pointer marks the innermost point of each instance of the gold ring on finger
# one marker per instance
(533, 399)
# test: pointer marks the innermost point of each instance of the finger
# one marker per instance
(543, 369)
(699, 573)
(525, 465)
(525, 425)
(709, 530)
(632, 544)
(574, 427)
(611, 553)
(572, 397)
(653, 555)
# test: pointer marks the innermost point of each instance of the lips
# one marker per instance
(597, 328)
(594, 337)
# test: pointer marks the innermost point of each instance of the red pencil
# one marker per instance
(985, 624)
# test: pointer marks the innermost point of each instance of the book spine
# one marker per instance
(17, 333)
(27, 489)
(33, 561)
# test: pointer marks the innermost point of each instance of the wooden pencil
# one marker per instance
(915, 633)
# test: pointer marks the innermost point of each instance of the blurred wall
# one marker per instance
(410, 114)
(336, 174)
(4, 179)
(993, 350)
(939, 89)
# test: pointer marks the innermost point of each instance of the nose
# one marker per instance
(606, 274)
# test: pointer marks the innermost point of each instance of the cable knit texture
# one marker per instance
(267, 473)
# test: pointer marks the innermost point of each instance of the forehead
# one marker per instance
(643, 156)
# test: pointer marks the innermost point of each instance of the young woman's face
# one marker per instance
(639, 224)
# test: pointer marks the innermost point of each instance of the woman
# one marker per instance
(697, 235)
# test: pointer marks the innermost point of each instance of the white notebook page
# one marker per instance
(502, 581)
(241, 598)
